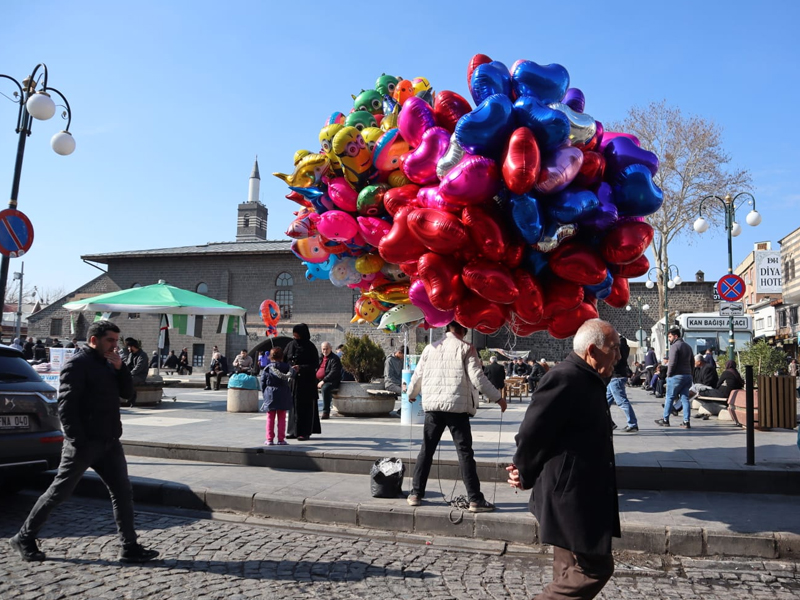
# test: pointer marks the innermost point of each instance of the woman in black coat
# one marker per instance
(729, 380)
(302, 355)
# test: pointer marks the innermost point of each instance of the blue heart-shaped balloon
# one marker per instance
(485, 130)
(488, 79)
(571, 205)
(536, 262)
(526, 217)
(621, 152)
(550, 127)
(602, 289)
(635, 194)
(548, 83)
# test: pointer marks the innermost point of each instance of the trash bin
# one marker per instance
(777, 402)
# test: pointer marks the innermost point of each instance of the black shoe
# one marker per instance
(686, 425)
(613, 426)
(136, 553)
(662, 422)
(629, 429)
(207, 388)
(28, 550)
(481, 506)
(659, 395)
(325, 415)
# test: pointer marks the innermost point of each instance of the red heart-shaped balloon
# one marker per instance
(620, 293)
(594, 164)
(396, 198)
(521, 161)
(515, 252)
(523, 329)
(448, 108)
(577, 262)
(475, 312)
(441, 276)
(560, 296)
(633, 269)
(490, 280)
(565, 324)
(478, 59)
(439, 231)
(529, 306)
(399, 246)
(410, 269)
(626, 242)
(486, 231)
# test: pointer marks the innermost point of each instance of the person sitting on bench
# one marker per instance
(729, 380)
(217, 369)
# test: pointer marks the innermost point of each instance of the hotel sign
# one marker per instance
(768, 272)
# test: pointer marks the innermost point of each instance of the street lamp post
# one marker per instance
(641, 308)
(669, 283)
(732, 229)
(34, 104)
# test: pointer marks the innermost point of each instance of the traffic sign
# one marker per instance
(731, 309)
(16, 233)
(731, 287)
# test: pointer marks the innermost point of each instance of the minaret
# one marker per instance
(251, 224)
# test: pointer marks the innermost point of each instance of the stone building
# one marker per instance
(787, 314)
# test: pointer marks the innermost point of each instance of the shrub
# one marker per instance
(363, 358)
(766, 359)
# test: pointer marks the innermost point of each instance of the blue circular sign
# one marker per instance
(731, 287)
(16, 233)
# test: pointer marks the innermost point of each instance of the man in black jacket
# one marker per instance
(704, 372)
(565, 452)
(679, 378)
(616, 389)
(91, 384)
(496, 374)
(329, 374)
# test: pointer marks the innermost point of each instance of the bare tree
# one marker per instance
(693, 164)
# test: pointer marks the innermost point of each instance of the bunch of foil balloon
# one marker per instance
(519, 211)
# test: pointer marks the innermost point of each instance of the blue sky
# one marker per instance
(172, 100)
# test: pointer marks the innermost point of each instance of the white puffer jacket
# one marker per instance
(448, 374)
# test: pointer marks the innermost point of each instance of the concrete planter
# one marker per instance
(240, 400)
(352, 400)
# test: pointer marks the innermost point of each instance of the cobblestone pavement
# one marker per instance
(205, 559)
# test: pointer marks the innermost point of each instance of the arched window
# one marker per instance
(202, 288)
(284, 279)
(285, 296)
(135, 285)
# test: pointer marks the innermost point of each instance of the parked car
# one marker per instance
(30, 430)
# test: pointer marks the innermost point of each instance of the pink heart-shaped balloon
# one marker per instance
(342, 194)
(373, 229)
(415, 118)
(434, 316)
(419, 165)
(474, 180)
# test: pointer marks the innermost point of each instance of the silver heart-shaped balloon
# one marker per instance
(450, 159)
(582, 127)
(553, 235)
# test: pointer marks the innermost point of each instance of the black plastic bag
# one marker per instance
(386, 478)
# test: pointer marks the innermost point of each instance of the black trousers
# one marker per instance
(218, 375)
(108, 461)
(458, 423)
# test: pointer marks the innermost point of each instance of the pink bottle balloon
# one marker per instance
(415, 118)
(476, 179)
(434, 316)
(342, 194)
(337, 226)
(419, 165)
(373, 229)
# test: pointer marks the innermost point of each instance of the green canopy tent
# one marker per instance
(178, 308)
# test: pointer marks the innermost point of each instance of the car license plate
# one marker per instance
(14, 422)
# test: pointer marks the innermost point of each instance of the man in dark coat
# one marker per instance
(565, 452)
(704, 373)
(496, 374)
(329, 375)
(91, 384)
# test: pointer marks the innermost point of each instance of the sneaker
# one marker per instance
(269, 443)
(283, 443)
(662, 422)
(136, 553)
(657, 395)
(686, 425)
(28, 549)
(481, 506)
(613, 426)
(413, 500)
(629, 429)
(207, 388)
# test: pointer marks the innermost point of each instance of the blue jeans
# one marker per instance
(615, 392)
(678, 386)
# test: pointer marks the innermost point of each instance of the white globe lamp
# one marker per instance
(701, 225)
(63, 143)
(41, 106)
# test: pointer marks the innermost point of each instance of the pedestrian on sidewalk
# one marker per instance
(679, 378)
(449, 376)
(329, 375)
(303, 417)
(615, 392)
(277, 395)
(565, 452)
(90, 387)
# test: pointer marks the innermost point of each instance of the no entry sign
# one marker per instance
(16, 233)
(730, 287)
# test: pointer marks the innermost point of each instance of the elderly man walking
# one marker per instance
(565, 452)
(449, 375)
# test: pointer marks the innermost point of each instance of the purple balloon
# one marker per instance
(419, 165)
(605, 215)
(558, 170)
(575, 99)
(621, 152)
(474, 180)
(429, 197)
(610, 135)
(414, 120)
